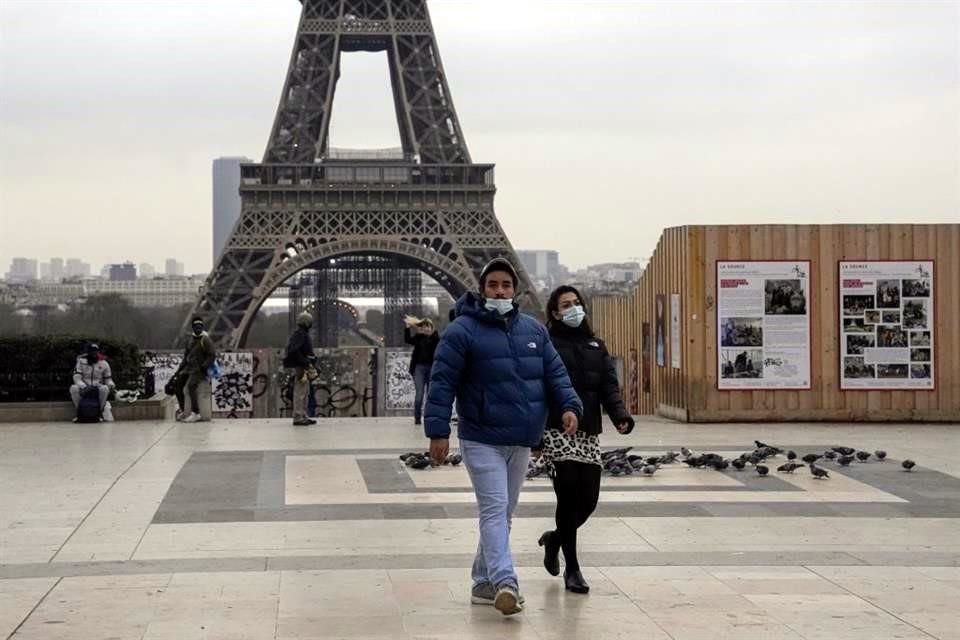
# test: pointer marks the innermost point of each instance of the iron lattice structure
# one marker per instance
(319, 291)
(429, 206)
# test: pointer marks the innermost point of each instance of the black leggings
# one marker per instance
(577, 485)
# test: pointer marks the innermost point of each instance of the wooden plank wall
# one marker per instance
(619, 321)
(684, 262)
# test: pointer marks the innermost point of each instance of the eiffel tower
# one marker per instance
(427, 206)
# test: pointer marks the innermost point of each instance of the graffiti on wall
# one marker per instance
(233, 390)
(164, 364)
(255, 384)
(399, 390)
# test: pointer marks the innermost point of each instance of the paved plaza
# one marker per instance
(257, 529)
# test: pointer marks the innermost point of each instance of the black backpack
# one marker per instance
(88, 409)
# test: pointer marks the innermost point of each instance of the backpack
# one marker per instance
(88, 409)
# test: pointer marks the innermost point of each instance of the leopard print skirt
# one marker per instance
(580, 447)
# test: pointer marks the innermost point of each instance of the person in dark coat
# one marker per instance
(298, 360)
(505, 374)
(576, 457)
(199, 356)
(424, 339)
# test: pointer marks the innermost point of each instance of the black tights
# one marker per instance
(577, 485)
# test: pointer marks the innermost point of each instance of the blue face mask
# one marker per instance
(573, 316)
(503, 306)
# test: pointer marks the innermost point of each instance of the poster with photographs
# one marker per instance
(763, 325)
(886, 322)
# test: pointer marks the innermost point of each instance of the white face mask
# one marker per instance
(573, 316)
(503, 306)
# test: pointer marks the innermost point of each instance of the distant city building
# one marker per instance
(76, 268)
(609, 276)
(22, 270)
(123, 272)
(173, 267)
(146, 270)
(226, 199)
(540, 263)
(159, 292)
(45, 271)
(57, 271)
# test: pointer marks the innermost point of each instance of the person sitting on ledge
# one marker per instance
(92, 374)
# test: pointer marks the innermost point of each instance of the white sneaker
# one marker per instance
(193, 417)
(107, 413)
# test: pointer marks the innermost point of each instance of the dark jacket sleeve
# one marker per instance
(448, 364)
(610, 391)
(560, 390)
(409, 337)
(209, 353)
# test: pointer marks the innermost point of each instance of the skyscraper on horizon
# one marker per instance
(226, 199)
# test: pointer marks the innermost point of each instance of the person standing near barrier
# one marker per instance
(197, 360)
(575, 458)
(298, 359)
(424, 339)
(504, 372)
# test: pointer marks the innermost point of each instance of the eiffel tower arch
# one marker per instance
(427, 205)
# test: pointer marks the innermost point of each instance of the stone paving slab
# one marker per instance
(161, 530)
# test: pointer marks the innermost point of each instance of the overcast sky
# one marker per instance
(606, 124)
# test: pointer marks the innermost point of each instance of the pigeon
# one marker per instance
(405, 456)
(845, 460)
(763, 469)
(739, 464)
(791, 455)
(817, 472)
(831, 455)
(863, 456)
(756, 458)
(881, 454)
(669, 457)
(696, 462)
(721, 465)
(789, 467)
(845, 451)
(908, 465)
(711, 458)
(634, 457)
(761, 445)
(418, 462)
(686, 453)
(810, 458)
(615, 453)
(455, 459)
(650, 469)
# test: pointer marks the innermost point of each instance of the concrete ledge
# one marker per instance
(160, 407)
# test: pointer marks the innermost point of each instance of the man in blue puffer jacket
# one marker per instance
(502, 369)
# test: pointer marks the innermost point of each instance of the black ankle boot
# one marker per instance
(574, 581)
(551, 552)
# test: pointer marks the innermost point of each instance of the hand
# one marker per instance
(535, 453)
(569, 422)
(439, 448)
(625, 425)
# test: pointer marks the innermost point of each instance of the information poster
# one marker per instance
(763, 325)
(658, 326)
(675, 330)
(886, 325)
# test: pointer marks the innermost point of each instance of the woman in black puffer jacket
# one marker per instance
(576, 459)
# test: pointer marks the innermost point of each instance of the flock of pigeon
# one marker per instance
(416, 460)
(620, 462)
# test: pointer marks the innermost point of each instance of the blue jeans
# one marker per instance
(421, 380)
(497, 473)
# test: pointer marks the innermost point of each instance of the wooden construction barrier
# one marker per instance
(685, 263)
